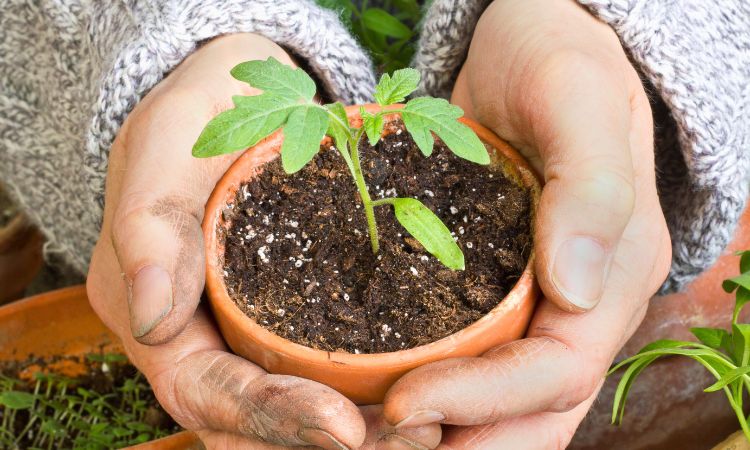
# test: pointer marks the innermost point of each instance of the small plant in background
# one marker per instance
(725, 354)
(287, 102)
(388, 33)
(58, 412)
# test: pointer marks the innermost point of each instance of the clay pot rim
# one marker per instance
(514, 165)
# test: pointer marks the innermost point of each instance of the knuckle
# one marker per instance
(609, 188)
(137, 209)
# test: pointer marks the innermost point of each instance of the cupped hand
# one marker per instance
(554, 82)
(147, 276)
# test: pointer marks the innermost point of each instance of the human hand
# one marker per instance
(554, 82)
(149, 263)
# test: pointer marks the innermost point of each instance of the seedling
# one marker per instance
(725, 354)
(287, 102)
(56, 412)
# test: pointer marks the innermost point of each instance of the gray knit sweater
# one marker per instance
(71, 71)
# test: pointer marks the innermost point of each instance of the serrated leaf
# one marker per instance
(382, 22)
(303, 132)
(276, 78)
(424, 115)
(430, 231)
(395, 89)
(728, 378)
(16, 400)
(253, 119)
(373, 125)
(712, 337)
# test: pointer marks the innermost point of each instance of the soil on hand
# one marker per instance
(93, 402)
(298, 258)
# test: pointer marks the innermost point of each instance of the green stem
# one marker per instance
(359, 180)
(384, 201)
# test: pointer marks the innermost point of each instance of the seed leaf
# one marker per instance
(252, 119)
(271, 76)
(430, 231)
(728, 378)
(373, 126)
(16, 400)
(302, 135)
(394, 89)
(712, 337)
(626, 382)
(381, 22)
(425, 115)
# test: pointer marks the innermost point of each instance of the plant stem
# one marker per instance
(359, 180)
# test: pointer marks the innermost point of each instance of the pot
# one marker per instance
(62, 323)
(667, 408)
(363, 378)
(20, 257)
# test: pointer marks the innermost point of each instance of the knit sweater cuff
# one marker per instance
(168, 31)
(697, 56)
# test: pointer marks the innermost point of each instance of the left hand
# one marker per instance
(554, 82)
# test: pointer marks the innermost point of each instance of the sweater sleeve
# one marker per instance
(72, 70)
(696, 56)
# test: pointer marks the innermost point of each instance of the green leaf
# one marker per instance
(276, 78)
(16, 400)
(253, 119)
(338, 125)
(411, 7)
(395, 89)
(733, 283)
(424, 115)
(626, 382)
(744, 260)
(728, 377)
(380, 21)
(373, 124)
(302, 135)
(712, 337)
(430, 231)
(741, 343)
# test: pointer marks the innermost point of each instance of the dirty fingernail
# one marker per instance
(420, 418)
(579, 271)
(316, 436)
(150, 299)
(397, 442)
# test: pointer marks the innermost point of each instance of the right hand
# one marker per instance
(147, 276)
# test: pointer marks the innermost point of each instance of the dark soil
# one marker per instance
(106, 404)
(298, 257)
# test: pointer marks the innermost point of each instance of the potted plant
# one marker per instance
(333, 273)
(20, 251)
(74, 389)
(725, 354)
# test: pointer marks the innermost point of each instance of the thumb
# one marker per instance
(156, 227)
(582, 134)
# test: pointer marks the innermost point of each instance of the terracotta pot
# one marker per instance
(62, 323)
(20, 257)
(667, 408)
(364, 378)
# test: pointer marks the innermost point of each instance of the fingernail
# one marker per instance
(150, 299)
(316, 436)
(579, 271)
(397, 442)
(420, 418)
